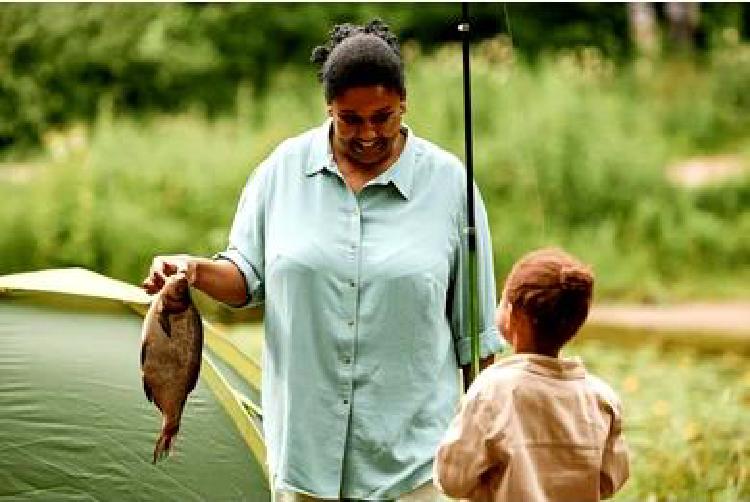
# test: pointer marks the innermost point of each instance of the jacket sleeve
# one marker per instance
(615, 460)
(470, 449)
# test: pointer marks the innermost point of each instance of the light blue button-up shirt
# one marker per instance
(364, 311)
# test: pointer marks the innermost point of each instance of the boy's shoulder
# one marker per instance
(604, 391)
(496, 381)
(506, 376)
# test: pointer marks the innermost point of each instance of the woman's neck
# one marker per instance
(356, 174)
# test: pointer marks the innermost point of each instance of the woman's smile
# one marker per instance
(375, 147)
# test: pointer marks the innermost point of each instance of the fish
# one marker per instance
(171, 348)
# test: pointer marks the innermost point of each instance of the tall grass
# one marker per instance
(568, 152)
(686, 417)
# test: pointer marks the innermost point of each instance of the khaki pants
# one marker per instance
(425, 493)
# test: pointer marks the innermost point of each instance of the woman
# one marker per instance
(350, 235)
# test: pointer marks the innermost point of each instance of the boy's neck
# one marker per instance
(524, 338)
(533, 350)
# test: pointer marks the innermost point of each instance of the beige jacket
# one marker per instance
(534, 428)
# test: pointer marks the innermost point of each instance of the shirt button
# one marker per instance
(353, 284)
(347, 360)
(346, 401)
(350, 323)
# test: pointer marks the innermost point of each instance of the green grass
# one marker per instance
(570, 152)
(686, 419)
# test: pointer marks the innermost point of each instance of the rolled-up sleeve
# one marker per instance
(490, 339)
(246, 247)
(615, 459)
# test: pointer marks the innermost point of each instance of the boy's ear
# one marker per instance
(507, 311)
(502, 317)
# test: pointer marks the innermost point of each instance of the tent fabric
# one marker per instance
(75, 424)
(74, 281)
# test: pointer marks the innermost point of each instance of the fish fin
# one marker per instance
(164, 322)
(146, 388)
(196, 362)
(192, 383)
(147, 391)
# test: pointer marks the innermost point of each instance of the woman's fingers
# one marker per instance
(155, 279)
(161, 268)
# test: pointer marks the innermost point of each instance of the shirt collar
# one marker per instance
(555, 367)
(321, 157)
(400, 174)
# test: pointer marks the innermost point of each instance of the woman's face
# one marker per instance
(366, 123)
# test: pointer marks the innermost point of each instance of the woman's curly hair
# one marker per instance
(358, 56)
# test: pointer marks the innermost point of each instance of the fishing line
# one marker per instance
(541, 213)
(507, 24)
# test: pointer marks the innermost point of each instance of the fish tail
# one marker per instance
(164, 442)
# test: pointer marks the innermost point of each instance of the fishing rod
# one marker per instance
(471, 234)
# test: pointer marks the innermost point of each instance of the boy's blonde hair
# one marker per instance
(554, 290)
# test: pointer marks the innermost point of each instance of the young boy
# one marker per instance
(535, 426)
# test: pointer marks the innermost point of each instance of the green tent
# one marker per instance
(74, 423)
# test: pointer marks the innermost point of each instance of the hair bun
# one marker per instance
(341, 32)
(320, 54)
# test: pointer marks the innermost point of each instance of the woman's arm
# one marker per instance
(219, 279)
(491, 340)
(235, 276)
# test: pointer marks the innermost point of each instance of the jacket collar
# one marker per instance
(555, 367)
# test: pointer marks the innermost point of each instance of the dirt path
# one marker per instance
(699, 171)
(731, 318)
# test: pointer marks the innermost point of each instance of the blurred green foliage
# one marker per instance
(61, 63)
(570, 151)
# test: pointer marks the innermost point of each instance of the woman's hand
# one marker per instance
(164, 266)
